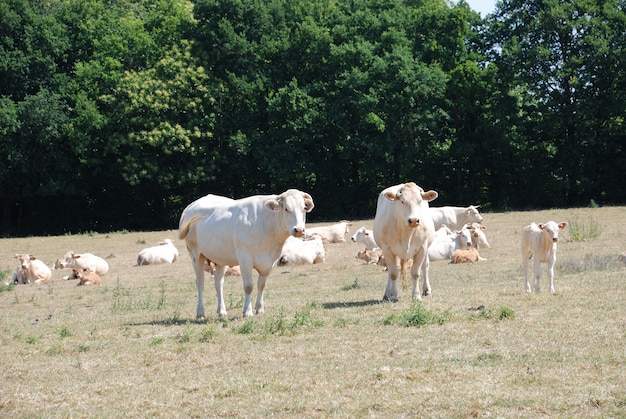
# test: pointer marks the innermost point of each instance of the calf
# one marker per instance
(445, 243)
(371, 257)
(86, 277)
(465, 255)
(302, 252)
(30, 270)
(210, 267)
(539, 242)
(366, 237)
(333, 233)
(165, 252)
(479, 239)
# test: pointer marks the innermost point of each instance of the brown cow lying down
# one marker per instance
(371, 257)
(86, 277)
(466, 255)
(209, 266)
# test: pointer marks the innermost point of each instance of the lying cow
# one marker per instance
(371, 257)
(333, 233)
(30, 270)
(444, 244)
(165, 252)
(302, 252)
(479, 239)
(539, 242)
(455, 217)
(249, 232)
(211, 267)
(466, 255)
(86, 277)
(86, 261)
(366, 237)
(404, 229)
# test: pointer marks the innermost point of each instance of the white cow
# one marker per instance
(366, 237)
(445, 244)
(165, 252)
(334, 233)
(86, 261)
(404, 229)
(249, 232)
(539, 243)
(302, 252)
(31, 270)
(455, 217)
(479, 239)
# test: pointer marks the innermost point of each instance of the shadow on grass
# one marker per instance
(182, 322)
(349, 304)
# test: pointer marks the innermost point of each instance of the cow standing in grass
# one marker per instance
(404, 229)
(249, 232)
(539, 243)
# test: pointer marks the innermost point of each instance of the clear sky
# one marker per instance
(484, 7)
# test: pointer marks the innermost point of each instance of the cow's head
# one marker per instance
(292, 206)
(413, 199)
(465, 237)
(552, 229)
(473, 214)
(24, 259)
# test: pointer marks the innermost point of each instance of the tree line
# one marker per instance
(115, 114)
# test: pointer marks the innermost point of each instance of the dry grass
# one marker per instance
(326, 346)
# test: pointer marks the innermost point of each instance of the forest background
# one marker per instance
(115, 114)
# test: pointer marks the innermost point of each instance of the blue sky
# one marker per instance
(484, 7)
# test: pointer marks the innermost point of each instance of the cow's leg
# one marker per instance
(525, 258)
(426, 291)
(391, 292)
(260, 305)
(551, 273)
(415, 276)
(248, 286)
(537, 274)
(218, 280)
(198, 269)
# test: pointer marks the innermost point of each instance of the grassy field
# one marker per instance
(326, 346)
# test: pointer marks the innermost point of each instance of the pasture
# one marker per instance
(326, 346)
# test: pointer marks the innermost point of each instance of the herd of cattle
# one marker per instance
(234, 237)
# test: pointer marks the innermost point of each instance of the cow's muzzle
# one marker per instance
(298, 232)
(414, 222)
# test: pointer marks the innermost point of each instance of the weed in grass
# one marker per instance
(7, 287)
(415, 316)
(588, 263)
(157, 341)
(247, 328)
(187, 333)
(32, 340)
(232, 303)
(65, 332)
(141, 241)
(208, 333)
(82, 348)
(277, 325)
(501, 313)
(352, 286)
(580, 230)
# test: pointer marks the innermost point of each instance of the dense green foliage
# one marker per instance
(114, 114)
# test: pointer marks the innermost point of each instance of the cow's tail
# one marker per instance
(185, 225)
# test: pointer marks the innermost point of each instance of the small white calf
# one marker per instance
(366, 237)
(165, 252)
(86, 261)
(31, 270)
(455, 217)
(539, 243)
(86, 277)
(479, 239)
(302, 252)
(333, 233)
(466, 255)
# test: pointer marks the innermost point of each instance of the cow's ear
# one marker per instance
(392, 196)
(272, 204)
(541, 226)
(562, 225)
(430, 195)
(75, 256)
(33, 257)
(308, 202)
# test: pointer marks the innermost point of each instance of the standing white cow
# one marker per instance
(539, 243)
(404, 229)
(249, 232)
(366, 237)
(165, 252)
(455, 217)
(86, 261)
